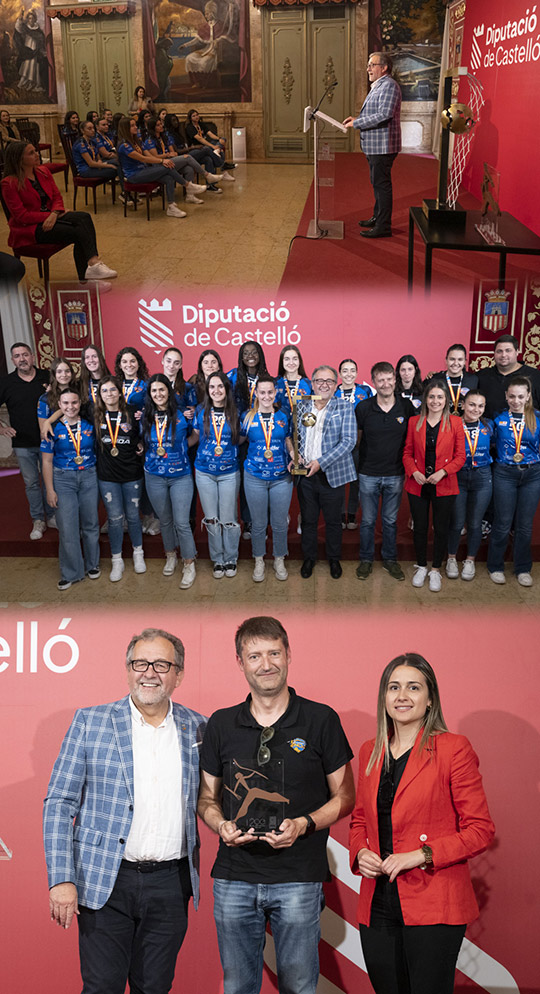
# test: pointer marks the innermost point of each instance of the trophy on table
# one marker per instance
(308, 417)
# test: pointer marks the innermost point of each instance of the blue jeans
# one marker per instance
(475, 487)
(171, 499)
(516, 492)
(77, 517)
(219, 498)
(30, 466)
(160, 174)
(268, 500)
(122, 499)
(388, 490)
(241, 911)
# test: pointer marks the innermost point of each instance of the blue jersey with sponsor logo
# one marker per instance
(65, 451)
(134, 393)
(206, 460)
(130, 167)
(360, 391)
(506, 442)
(256, 463)
(88, 147)
(43, 409)
(483, 431)
(296, 388)
(240, 402)
(175, 461)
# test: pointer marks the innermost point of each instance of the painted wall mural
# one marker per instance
(411, 32)
(27, 74)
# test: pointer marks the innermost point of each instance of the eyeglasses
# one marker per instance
(158, 666)
(371, 64)
(324, 383)
(264, 754)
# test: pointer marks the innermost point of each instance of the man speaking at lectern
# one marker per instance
(380, 140)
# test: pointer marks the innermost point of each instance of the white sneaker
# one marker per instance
(192, 199)
(117, 570)
(51, 522)
(231, 570)
(174, 211)
(258, 572)
(170, 564)
(153, 527)
(228, 178)
(279, 568)
(497, 577)
(468, 570)
(435, 581)
(196, 188)
(419, 578)
(38, 529)
(188, 576)
(139, 564)
(99, 271)
(525, 579)
(213, 178)
(299, 525)
(452, 570)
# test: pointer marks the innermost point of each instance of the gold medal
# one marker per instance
(76, 440)
(267, 432)
(518, 435)
(518, 457)
(160, 432)
(218, 432)
(160, 450)
(114, 451)
(79, 460)
(218, 451)
(113, 435)
(268, 454)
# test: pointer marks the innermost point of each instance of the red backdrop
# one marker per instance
(501, 47)
(487, 668)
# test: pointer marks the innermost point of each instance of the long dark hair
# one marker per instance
(179, 385)
(124, 134)
(199, 380)
(150, 409)
(141, 123)
(84, 375)
(100, 409)
(67, 126)
(242, 387)
(142, 368)
(13, 156)
(301, 369)
(173, 127)
(55, 389)
(230, 411)
(417, 385)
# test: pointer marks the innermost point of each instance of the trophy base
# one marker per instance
(333, 229)
(299, 471)
(446, 216)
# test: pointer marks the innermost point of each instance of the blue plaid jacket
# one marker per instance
(89, 804)
(338, 441)
(378, 121)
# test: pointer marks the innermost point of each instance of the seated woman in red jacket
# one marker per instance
(37, 212)
(434, 451)
(420, 814)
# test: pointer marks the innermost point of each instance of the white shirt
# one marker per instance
(313, 444)
(157, 830)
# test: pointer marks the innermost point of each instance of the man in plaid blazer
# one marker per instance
(380, 140)
(325, 448)
(120, 828)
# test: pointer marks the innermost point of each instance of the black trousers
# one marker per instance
(137, 935)
(72, 228)
(411, 959)
(380, 175)
(442, 513)
(11, 269)
(315, 495)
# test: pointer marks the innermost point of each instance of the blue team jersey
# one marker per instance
(206, 460)
(256, 463)
(90, 148)
(104, 142)
(506, 443)
(65, 451)
(43, 409)
(134, 393)
(130, 167)
(360, 391)
(483, 431)
(175, 461)
(154, 145)
(298, 388)
(186, 399)
(232, 375)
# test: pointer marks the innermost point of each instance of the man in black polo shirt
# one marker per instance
(493, 382)
(275, 774)
(382, 425)
(20, 392)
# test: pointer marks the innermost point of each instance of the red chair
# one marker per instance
(145, 189)
(86, 182)
(40, 252)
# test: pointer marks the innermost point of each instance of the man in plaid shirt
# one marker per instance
(380, 140)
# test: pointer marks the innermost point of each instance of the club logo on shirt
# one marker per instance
(400, 420)
(298, 744)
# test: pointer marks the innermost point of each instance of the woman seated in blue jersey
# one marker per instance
(409, 383)
(69, 474)
(184, 394)
(139, 167)
(177, 141)
(198, 133)
(157, 143)
(354, 392)
(209, 362)
(475, 486)
(267, 481)
(87, 159)
(217, 475)
(292, 379)
(131, 371)
(516, 481)
(61, 375)
(168, 474)
(120, 472)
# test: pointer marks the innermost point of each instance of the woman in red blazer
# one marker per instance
(420, 814)
(434, 451)
(37, 212)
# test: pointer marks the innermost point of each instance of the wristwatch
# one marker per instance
(428, 855)
(311, 826)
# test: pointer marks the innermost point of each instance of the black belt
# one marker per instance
(149, 866)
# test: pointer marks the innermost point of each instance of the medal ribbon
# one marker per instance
(218, 431)
(473, 445)
(518, 435)
(93, 390)
(127, 391)
(455, 396)
(160, 430)
(292, 396)
(252, 390)
(267, 432)
(76, 439)
(117, 429)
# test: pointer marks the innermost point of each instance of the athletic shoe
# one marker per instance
(468, 570)
(279, 568)
(51, 522)
(192, 199)
(117, 570)
(452, 570)
(38, 529)
(153, 527)
(299, 525)
(229, 165)
(99, 271)
(364, 568)
(394, 569)
(170, 564)
(258, 572)
(228, 178)
(497, 577)
(174, 211)
(525, 579)
(213, 188)
(63, 584)
(247, 530)
(435, 580)
(230, 570)
(486, 529)
(196, 188)
(213, 178)
(218, 571)
(419, 578)
(94, 574)
(188, 576)
(352, 523)
(139, 564)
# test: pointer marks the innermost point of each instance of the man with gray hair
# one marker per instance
(327, 435)
(120, 828)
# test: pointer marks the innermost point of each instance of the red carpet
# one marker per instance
(358, 262)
